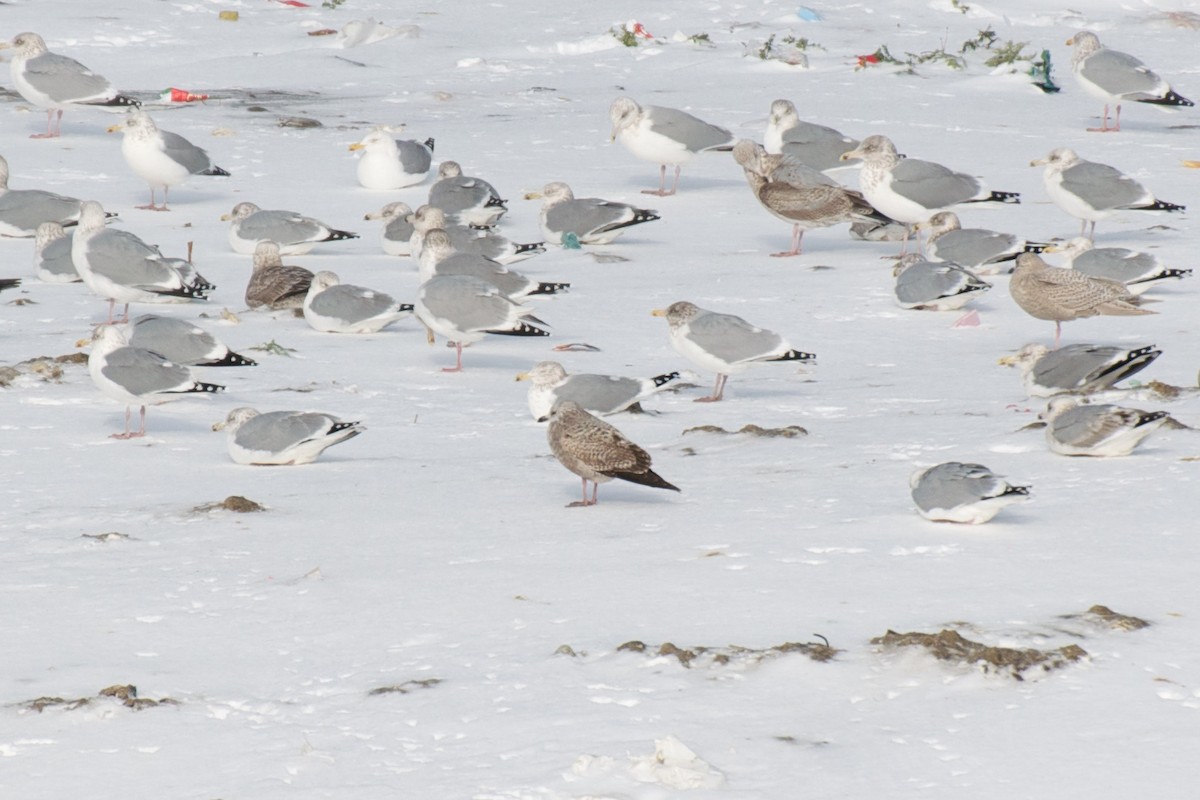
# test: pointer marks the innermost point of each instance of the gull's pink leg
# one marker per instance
(458, 360)
(797, 235)
(675, 185)
(128, 434)
(718, 391)
(1118, 128)
(585, 501)
(1104, 123)
(662, 183)
(1057, 333)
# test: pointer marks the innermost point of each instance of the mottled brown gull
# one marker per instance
(273, 284)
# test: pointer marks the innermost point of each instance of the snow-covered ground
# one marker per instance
(434, 553)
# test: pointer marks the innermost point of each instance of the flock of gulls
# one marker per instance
(469, 289)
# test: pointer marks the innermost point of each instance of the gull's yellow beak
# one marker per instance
(1192, 164)
(539, 195)
(357, 146)
(658, 312)
(114, 128)
(848, 155)
(226, 217)
(219, 426)
(524, 376)
(1038, 162)
(1007, 361)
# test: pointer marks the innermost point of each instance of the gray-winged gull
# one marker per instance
(958, 492)
(723, 343)
(664, 136)
(389, 163)
(1138, 271)
(1077, 368)
(182, 342)
(335, 307)
(464, 309)
(465, 199)
(935, 285)
(1117, 78)
(1090, 191)
(54, 82)
(973, 248)
(599, 394)
(295, 233)
(480, 241)
(1078, 429)
(439, 257)
(397, 227)
(597, 452)
(813, 145)
(52, 254)
(22, 210)
(273, 284)
(279, 438)
(136, 376)
(161, 158)
(590, 220)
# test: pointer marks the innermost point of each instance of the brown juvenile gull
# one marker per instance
(973, 248)
(1077, 429)
(1138, 271)
(1077, 368)
(664, 136)
(590, 220)
(1117, 77)
(599, 394)
(723, 343)
(273, 284)
(54, 82)
(465, 199)
(1062, 295)
(813, 145)
(597, 452)
(958, 492)
(798, 194)
(1090, 191)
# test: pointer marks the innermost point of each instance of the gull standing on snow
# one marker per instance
(279, 438)
(1138, 271)
(1076, 429)
(1062, 295)
(664, 136)
(294, 233)
(133, 375)
(159, 157)
(335, 307)
(273, 284)
(1077, 368)
(910, 190)
(439, 257)
(54, 82)
(958, 492)
(466, 200)
(484, 242)
(597, 452)
(723, 343)
(52, 254)
(182, 342)
(935, 285)
(973, 248)
(22, 210)
(599, 394)
(122, 268)
(464, 309)
(1090, 191)
(589, 220)
(1117, 77)
(389, 163)
(815, 146)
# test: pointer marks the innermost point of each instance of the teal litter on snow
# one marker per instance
(570, 241)
(807, 14)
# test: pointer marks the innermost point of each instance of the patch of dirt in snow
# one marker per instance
(125, 694)
(731, 655)
(949, 645)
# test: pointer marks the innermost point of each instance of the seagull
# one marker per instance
(479, 241)
(389, 163)
(294, 233)
(1090, 191)
(335, 307)
(133, 375)
(273, 284)
(283, 437)
(1077, 368)
(1117, 77)
(466, 200)
(122, 268)
(664, 136)
(798, 194)
(1076, 429)
(397, 227)
(597, 452)
(464, 309)
(910, 190)
(1138, 271)
(723, 343)
(589, 219)
(973, 248)
(958, 492)
(182, 342)
(1062, 295)
(159, 157)
(52, 254)
(599, 394)
(815, 146)
(54, 82)
(22, 210)
(935, 285)
(439, 257)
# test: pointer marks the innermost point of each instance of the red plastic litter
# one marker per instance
(869, 59)
(294, 3)
(640, 30)
(181, 96)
